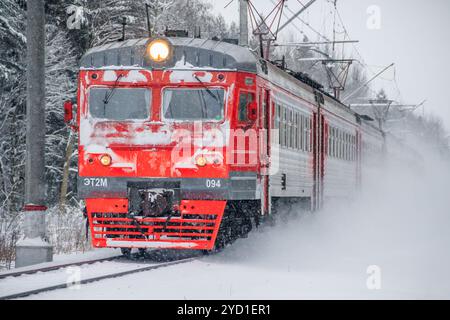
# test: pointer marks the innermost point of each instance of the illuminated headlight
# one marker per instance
(159, 50)
(200, 161)
(105, 160)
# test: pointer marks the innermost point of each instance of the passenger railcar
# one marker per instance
(189, 143)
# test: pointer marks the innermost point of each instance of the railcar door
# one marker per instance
(319, 153)
(265, 152)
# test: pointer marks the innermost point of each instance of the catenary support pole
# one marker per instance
(34, 248)
(243, 23)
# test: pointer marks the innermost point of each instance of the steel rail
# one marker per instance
(56, 267)
(95, 279)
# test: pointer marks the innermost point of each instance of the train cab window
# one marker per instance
(120, 104)
(245, 98)
(193, 104)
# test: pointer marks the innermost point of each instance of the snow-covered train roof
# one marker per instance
(205, 54)
(200, 53)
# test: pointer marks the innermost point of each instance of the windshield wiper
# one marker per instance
(207, 89)
(110, 93)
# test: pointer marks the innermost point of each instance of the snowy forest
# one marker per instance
(74, 26)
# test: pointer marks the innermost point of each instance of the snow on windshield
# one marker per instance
(193, 104)
(120, 103)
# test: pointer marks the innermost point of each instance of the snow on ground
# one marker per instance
(399, 226)
(67, 275)
(69, 258)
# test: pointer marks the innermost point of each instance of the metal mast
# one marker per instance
(243, 23)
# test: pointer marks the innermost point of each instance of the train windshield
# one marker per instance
(194, 104)
(120, 104)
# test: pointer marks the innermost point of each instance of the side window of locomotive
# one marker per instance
(245, 98)
(120, 104)
(193, 104)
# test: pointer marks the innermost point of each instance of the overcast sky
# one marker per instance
(412, 33)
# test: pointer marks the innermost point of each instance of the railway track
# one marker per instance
(27, 293)
(57, 267)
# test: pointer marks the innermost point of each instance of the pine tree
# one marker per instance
(191, 14)
(105, 19)
(160, 14)
(12, 105)
(61, 85)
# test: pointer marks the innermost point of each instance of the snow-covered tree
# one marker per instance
(61, 80)
(160, 14)
(105, 19)
(191, 14)
(12, 105)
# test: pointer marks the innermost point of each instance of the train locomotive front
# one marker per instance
(157, 152)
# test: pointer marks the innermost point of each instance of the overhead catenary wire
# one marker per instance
(305, 7)
(303, 22)
(367, 83)
(339, 21)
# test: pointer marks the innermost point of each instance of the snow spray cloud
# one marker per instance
(391, 242)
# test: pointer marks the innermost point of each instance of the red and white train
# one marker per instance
(187, 143)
